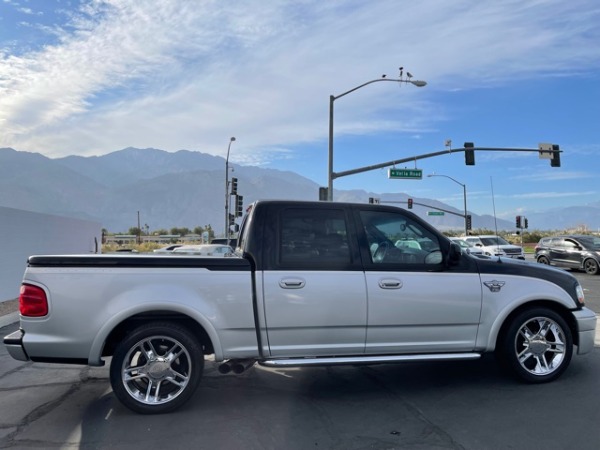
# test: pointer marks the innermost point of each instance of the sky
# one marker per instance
(91, 77)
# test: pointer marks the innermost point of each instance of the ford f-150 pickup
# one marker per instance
(310, 283)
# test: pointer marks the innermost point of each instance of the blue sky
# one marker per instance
(93, 77)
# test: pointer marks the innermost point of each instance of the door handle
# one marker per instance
(292, 283)
(390, 283)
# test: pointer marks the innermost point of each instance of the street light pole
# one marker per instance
(232, 139)
(332, 98)
(464, 186)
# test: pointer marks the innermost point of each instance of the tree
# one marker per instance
(180, 231)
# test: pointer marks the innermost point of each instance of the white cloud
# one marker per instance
(185, 74)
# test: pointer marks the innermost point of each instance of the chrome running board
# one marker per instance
(341, 360)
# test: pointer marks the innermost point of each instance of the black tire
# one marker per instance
(590, 266)
(156, 368)
(537, 345)
(543, 260)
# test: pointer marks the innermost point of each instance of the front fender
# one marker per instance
(516, 292)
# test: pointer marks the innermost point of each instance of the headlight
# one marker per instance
(580, 296)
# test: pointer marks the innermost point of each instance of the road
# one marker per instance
(442, 405)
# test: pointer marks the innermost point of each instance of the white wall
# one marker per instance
(25, 233)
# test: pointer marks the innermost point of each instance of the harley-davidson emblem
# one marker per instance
(495, 285)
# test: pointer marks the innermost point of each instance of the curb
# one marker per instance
(9, 319)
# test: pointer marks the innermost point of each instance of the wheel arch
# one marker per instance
(561, 310)
(129, 324)
(590, 258)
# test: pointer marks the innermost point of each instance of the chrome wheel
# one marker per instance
(540, 346)
(156, 368)
(543, 260)
(537, 345)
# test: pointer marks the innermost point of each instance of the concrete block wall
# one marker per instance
(26, 233)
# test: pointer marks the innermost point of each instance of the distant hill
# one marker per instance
(186, 189)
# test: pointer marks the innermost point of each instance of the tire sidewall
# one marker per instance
(168, 329)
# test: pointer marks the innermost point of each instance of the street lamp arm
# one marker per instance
(417, 83)
(446, 176)
(464, 186)
(332, 98)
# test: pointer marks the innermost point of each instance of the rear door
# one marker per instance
(416, 304)
(314, 291)
(558, 252)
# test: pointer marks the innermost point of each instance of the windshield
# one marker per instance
(494, 240)
(463, 244)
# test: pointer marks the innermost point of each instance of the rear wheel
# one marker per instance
(543, 260)
(591, 266)
(537, 345)
(156, 368)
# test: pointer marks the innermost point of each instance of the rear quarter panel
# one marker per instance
(86, 304)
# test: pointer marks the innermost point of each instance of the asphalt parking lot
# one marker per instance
(442, 405)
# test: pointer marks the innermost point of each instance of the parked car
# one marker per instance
(493, 245)
(204, 250)
(467, 248)
(572, 251)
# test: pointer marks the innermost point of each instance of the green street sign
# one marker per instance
(407, 174)
(435, 213)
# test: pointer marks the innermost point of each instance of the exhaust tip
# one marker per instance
(225, 368)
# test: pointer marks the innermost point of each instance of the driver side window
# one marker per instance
(396, 239)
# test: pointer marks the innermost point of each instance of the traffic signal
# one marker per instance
(469, 154)
(526, 223)
(469, 222)
(322, 194)
(231, 219)
(234, 183)
(239, 205)
(518, 222)
(555, 161)
(410, 202)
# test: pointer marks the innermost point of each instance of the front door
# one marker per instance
(416, 304)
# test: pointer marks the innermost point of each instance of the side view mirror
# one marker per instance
(454, 253)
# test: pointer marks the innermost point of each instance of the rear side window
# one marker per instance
(313, 237)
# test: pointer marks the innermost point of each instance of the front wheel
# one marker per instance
(537, 345)
(156, 368)
(590, 266)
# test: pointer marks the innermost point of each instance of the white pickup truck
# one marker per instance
(311, 283)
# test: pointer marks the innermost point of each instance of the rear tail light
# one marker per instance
(32, 301)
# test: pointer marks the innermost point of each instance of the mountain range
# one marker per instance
(187, 189)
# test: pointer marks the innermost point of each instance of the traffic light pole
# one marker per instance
(345, 173)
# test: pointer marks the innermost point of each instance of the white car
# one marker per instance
(493, 245)
(204, 250)
(468, 248)
(168, 248)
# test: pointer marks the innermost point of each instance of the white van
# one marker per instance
(495, 246)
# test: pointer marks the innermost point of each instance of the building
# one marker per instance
(26, 233)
